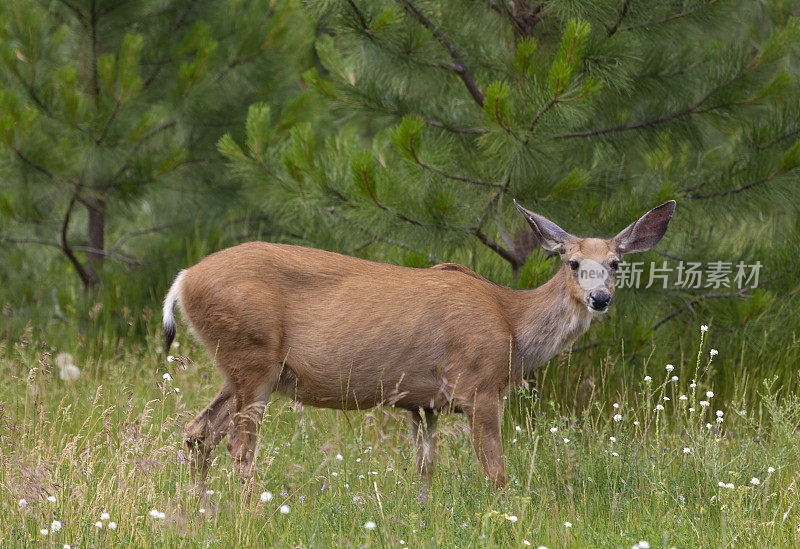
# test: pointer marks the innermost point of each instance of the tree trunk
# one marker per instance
(96, 239)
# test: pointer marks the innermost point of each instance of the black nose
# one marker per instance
(600, 300)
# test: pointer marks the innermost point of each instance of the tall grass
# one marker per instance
(594, 450)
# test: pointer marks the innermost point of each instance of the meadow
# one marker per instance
(618, 460)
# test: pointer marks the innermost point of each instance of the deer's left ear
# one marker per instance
(645, 232)
(551, 237)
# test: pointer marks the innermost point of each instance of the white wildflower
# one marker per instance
(51, 499)
(616, 405)
(55, 526)
(98, 524)
(617, 417)
(674, 378)
(167, 377)
(648, 379)
(713, 352)
(708, 426)
(22, 502)
(636, 423)
(615, 454)
(553, 430)
(721, 484)
(719, 413)
(730, 486)
(285, 509)
(683, 397)
(566, 440)
(369, 525)
(710, 394)
(687, 450)
(770, 470)
(659, 407)
(568, 524)
(754, 481)
(518, 429)
(643, 545)
(720, 420)
(669, 367)
(666, 398)
(512, 518)
(703, 328)
(612, 439)
(209, 492)
(170, 358)
(704, 403)
(339, 457)
(44, 531)
(105, 516)
(266, 496)
(112, 525)
(691, 409)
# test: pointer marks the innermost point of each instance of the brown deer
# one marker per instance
(334, 331)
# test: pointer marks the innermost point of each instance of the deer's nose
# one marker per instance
(600, 300)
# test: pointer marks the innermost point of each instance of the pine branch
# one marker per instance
(124, 238)
(86, 277)
(455, 177)
(737, 190)
(622, 13)
(459, 68)
(497, 248)
(670, 18)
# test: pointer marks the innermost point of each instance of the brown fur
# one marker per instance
(339, 332)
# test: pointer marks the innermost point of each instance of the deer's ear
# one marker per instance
(645, 232)
(552, 237)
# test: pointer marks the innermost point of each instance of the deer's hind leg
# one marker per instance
(252, 388)
(423, 430)
(208, 428)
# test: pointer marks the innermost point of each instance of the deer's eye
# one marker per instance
(574, 265)
(614, 265)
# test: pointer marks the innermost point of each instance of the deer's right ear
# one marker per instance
(551, 237)
(645, 232)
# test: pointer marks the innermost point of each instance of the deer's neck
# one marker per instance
(546, 320)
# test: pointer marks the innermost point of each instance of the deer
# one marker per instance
(334, 331)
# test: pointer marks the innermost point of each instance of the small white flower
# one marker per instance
(566, 440)
(156, 514)
(170, 358)
(720, 419)
(666, 398)
(339, 457)
(514, 441)
(568, 524)
(669, 367)
(691, 409)
(266, 496)
(105, 516)
(67, 546)
(615, 454)
(648, 379)
(55, 526)
(703, 328)
(687, 450)
(708, 426)
(616, 405)
(284, 509)
(770, 470)
(730, 486)
(704, 403)
(612, 439)
(22, 502)
(512, 518)
(358, 459)
(369, 525)
(98, 524)
(202, 511)
(693, 385)
(526, 543)
(44, 531)
(51, 499)
(643, 545)
(721, 484)
(112, 525)
(335, 474)
(617, 417)
(720, 413)
(176, 390)
(209, 492)
(754, 481)
(683, 397)
(553, 430)
(713, 352)
(674, 378)
(167, 377)
(636, 423)
(710, 394)
(518, 429)
(659, 407)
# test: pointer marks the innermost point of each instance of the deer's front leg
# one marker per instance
(423, 430)
(484, 421)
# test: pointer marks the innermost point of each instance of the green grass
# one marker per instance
(111, 443)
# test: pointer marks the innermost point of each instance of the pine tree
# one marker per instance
(589, 112)
(104, 103)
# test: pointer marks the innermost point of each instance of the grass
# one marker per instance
(111, 443)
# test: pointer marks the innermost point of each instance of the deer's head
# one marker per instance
(591, 263)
